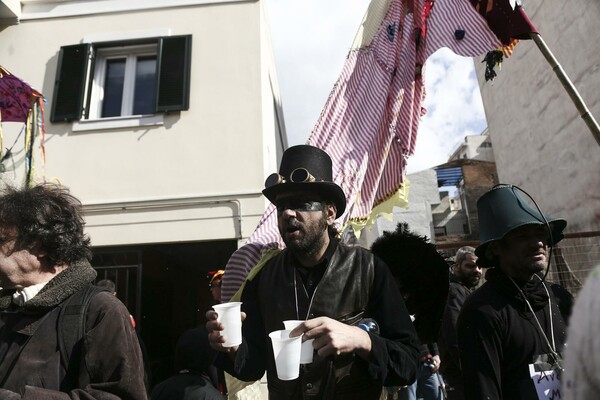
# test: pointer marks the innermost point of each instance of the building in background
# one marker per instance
(163, 117)
(455, 218)
(475, 147)
(423, 196)
(442, 200)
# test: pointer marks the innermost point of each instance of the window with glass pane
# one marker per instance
(113, 88)
(145, 85)
(110, 80)
(124, 81)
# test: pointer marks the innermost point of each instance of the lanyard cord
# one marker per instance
(553, 345)
(296, 296)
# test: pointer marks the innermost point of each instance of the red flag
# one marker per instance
(508, 21)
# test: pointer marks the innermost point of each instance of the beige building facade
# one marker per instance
(540, 142)
(164, 118)
(193, 174)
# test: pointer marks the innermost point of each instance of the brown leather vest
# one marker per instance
(342, 294)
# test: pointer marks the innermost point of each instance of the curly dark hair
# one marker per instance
(47, 216)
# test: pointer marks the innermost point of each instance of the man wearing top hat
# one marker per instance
(329, 285)
(511, 331)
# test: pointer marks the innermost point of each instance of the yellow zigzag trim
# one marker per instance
(384, 209)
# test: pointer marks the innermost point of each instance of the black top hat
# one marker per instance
(306, 169)
(502, 210)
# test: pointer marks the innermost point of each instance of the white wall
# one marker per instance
(197, 177)
(422, 194)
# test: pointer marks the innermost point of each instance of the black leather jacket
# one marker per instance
(354, 285)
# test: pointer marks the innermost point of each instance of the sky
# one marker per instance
(311, 39)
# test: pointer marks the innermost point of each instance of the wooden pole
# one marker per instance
(569, 87)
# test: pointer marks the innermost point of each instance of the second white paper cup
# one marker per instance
(306, 353)
(287, 354)
(229, 316)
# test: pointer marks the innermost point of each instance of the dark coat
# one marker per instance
(448, 342)
(498, 336)
(110, 366)
(353, 285)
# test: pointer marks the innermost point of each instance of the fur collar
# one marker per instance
(63, 285)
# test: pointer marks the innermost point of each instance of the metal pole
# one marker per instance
(569, 87)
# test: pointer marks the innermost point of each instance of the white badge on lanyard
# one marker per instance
(546, 378)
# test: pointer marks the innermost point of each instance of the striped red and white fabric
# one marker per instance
(449, 16)
(370, 121)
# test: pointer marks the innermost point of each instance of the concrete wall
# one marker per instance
(475, 147)
(196, 177)
(422, 194)
(445, 216)
(480, 148)
(540, 142)
(478, 177)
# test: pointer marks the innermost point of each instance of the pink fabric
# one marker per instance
(16, 98)
(370, 121)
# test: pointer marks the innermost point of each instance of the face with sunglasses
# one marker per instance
(303, 221)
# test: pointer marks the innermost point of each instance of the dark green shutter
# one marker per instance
(174, 63)
(69, 85)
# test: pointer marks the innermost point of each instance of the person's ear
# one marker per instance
(331, 212)
(455, 268)
(38, 252)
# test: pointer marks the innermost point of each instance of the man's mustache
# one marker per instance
(292, 224)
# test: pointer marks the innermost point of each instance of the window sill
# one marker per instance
(130, 121)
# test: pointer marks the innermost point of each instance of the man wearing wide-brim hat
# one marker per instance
(333, 288)
(511, 331)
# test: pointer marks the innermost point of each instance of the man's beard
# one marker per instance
(534, 268)
(468, 280)
(473, 280)
(311, 241)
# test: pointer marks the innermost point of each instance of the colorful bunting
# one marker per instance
(19, 102)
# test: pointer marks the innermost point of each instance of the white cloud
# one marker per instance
(454, 109)
(311, 39)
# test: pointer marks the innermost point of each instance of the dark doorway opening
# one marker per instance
(165, 287)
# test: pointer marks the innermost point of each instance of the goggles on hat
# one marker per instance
(299, 175)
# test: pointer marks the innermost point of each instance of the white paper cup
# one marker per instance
(306, 354)
(287, 354)
(229, 316)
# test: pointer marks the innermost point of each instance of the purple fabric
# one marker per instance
(16, 98)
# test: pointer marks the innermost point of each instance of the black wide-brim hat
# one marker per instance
(306, 169)
(502, 210)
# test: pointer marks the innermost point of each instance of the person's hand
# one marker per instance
(214, 329)
(435, 364)
(333, 337)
